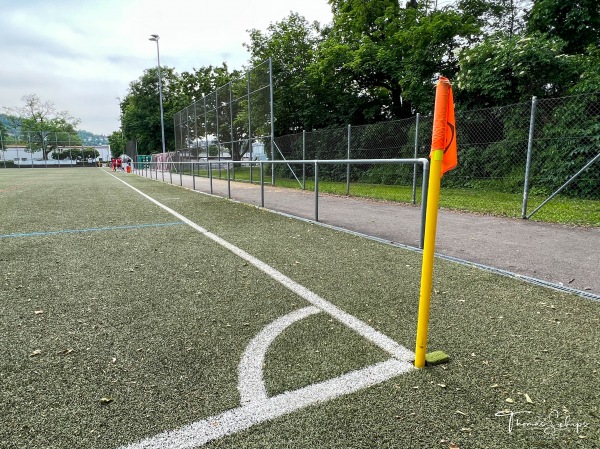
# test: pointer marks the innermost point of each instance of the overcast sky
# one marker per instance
(82, 54)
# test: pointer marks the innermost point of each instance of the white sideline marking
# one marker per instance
(256, 406)
(250, 380)
(383, 341)
(241, 418)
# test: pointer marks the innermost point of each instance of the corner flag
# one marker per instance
(444, 125)
(443, 158)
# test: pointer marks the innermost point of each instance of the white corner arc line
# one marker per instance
(244, 417)
(250, 378)
(383, 341)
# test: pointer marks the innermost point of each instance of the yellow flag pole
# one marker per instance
(443, 99)
(433, 199)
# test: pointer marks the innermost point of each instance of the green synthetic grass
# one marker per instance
(154, 320)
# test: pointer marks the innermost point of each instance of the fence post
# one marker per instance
(193, 177)
(2, 149)
(249, 128)
(217, 130)
(196, 140)
(528, 162)
(186, 144)
(30, 148)
(414, 186)
(272, 120)
(228, 181)
(231, 126)
(303, 158)
(316, 191)
(206, 133)
(262, 183)
(348, 165)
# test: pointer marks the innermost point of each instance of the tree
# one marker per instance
(197, 99)
(291, 43)
(589, 78)
(140, 110)
(504, 70)
(77, 153)
(117, 143)
(385, 56)
(576, 23)
(192, 86)
(39, 120)
(505, 17)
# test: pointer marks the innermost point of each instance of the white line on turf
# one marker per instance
(246, 416)
(383, 341)
(250, 380)
(256, 406)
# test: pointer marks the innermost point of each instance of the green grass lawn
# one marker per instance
(562, 209)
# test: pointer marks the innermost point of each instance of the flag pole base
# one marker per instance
(436, 358)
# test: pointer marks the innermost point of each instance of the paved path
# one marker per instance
(558, 254)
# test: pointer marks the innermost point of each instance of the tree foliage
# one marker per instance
(3, 135)
(384, 57)
(291, 43)
(589, 77)
(117, 143)
(506, 17)
(575, 22)
(378, 60)
(39, 120)
(503, 70)
(140, 109)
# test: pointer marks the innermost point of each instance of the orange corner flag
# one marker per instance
(444, 125)
(443, 158)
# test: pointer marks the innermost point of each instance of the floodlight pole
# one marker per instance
(155, 38)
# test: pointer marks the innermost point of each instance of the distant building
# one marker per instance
(20, 155)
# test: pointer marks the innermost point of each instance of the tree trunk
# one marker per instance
(400, 109)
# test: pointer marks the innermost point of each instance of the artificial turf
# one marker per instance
(114, 335)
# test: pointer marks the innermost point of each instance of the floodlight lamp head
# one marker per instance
(154, 37)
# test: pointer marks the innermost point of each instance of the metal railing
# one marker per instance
(181, 169)
(533, 151)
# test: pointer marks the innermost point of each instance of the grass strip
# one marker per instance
(482, 199)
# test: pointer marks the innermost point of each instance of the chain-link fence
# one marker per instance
(564, 154)
(48, 149)
(231, 123)
(542, 148)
